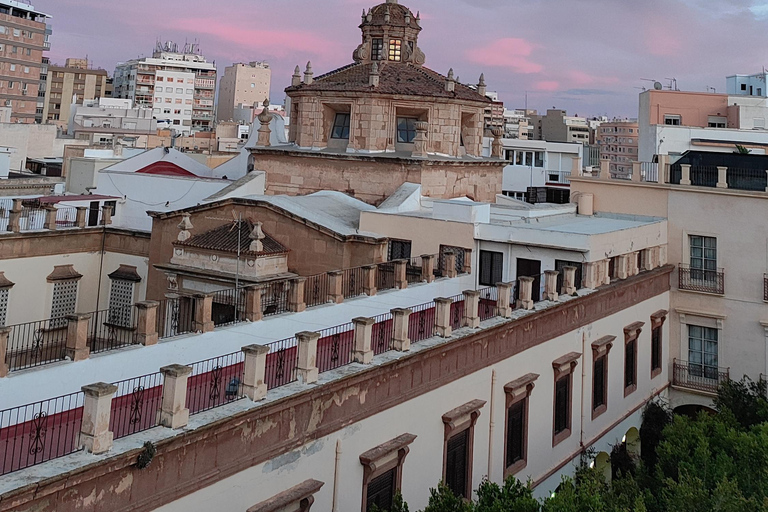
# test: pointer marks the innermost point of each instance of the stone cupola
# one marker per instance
(390, 33)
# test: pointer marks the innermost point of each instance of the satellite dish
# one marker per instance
(657, 86)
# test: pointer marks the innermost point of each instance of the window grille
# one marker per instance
(64, 302)
(3, 306)
(120, 302)
(399, 250)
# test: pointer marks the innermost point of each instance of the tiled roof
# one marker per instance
(394, 78)
(224, 239)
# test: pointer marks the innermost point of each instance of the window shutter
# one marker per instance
(381, 490)
(515, 432)
(456, 464)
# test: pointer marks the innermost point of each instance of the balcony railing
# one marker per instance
(560, 177)
(765, 287)
(698, 377)
(701, 280)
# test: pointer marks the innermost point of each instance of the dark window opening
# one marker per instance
(598, 386)
(381, 491)
(406, 129)
(491, 268)
(630, 356)
(399, 250)
(562, 404)
(457, 464)
(377, 49)
(656, 348)
(340, 127)
(516, 432)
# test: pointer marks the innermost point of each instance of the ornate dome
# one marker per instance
(393, 14)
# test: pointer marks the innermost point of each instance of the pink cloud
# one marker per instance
(547, 85)
(510, 52)
(580, 79)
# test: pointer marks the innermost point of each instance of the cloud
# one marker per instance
(546, 85)
(510, 52)
(588, 92)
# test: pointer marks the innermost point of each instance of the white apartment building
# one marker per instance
(242, 84)
(179, 86)
(103, 120)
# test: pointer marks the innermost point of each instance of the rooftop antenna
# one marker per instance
(672, 84)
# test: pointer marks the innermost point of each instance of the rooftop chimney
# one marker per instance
(450, 82)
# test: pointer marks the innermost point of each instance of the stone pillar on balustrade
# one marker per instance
(296, 302)
(471, 317)
(77, 336)
(306, 368)
(449, 265)
(146, 323)
(428, 267)
(633, 269)
(401, 340)
(254, 311)
(467, 262)
(591, 277)
(106, 215)
(622, 266)
(362, 351)
(685, 170)
(95, 436)
(525, 293)
(569, 281)
(81, 217)
(50, 218)
(550, 285)
(335, 287)
(443, 317)
(14, 216)
(504, 299)
(255, 372)
(722, 177)
(203, 321)
(369, 280)
(401, 279)
(173, 405)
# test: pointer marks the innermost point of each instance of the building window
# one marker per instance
(657, 348)
(399, 250)
(383, 472)
(459, 435)
(491, 268)
(377, 49)
(64, 301)
(703, 258)
(563, 367)
(4, 292)
(631, 334)
(518, 393)
(743, 87)
(717, 122)
(340, 126)
(120, 302)
(600, 350)
(395, 49)
(673, 120)
(702, 352)
(406, 129)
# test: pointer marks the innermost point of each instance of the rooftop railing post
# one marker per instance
(77, 336)
(203, 310)
(362, 351)
(633, 267)
(471, 316)
(504, 299)
(173, 407)
(605, 169)
(550, 285)
(369, 280)
(443, 317)
(335, 287)
(50, 218)
(14, 216)
(106, 215)
(4, 332)
(401, 280)
(81, 217)
(637, 171)
(95, 436)
(686, 172)
(296, 303)
(722, 177)
(622, 266)
(306, 369)
(467, 261)
(254, 311)
(401, 341)
(428, 267)
(449, 265)
(146, 324)
(569, 281)
(591, 277)
(526, 293)
(649, 258)
(254, 372)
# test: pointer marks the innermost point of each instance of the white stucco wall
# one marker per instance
(422, 416)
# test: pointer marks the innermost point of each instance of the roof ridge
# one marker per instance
(338, 70)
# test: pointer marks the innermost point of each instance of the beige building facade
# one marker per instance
(619, 141)
(72, 83)
(242, 84)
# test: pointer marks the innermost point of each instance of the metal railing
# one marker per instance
(457, 311)
(282, 360)
(36, 343)
(701, 280)
(650, 171)
(385, 276)
(316, 290)
(215, 382)
(37, 432)
(421, 323)
(747, 179)
(382, 333)
(765, 287)
(136, 405)
(698, 377)
(275, 298)
(228, 307)
(488, 303)
(66, 217)
(413, 270)
(334, 348)
(113, 328)
(175, 316)
(352, 282)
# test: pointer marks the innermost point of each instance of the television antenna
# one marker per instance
(236, 220)
(672, 84)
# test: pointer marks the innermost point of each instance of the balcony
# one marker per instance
(700, 280)
(719, 177)
(697, 377)
(559, 177)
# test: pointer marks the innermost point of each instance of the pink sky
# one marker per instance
(587, 56)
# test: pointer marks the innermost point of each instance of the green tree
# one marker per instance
(442, 499)
(513, 496)
(744, 401)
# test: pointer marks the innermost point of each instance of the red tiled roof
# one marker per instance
(165, 169)
(394, 78)
(224, 239)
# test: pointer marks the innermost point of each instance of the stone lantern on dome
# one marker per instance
(390, 33)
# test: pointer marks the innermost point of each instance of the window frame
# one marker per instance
(410, 129)
(563, 369)
(702, 372)
(382, 459)
(403, 243)
(377, 48)
(518, 391)
(494, 255)
(395, 50)
(631, 339)
(344, 127)
(457, 422)
(600, 350)
(673, 120)
(657, 342)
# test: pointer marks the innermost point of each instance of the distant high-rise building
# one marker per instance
(180, 86)
(72, 83)
(618, 141)
(242, 84)
(557, 126)
(23, 39)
